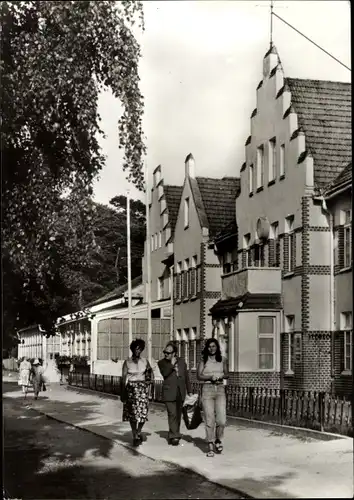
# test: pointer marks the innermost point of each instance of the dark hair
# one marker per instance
(137, 343)
(205, 351)
(173, 345)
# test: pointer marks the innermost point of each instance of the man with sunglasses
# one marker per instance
(175, 386)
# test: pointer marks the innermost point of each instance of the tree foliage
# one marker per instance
(56, 57)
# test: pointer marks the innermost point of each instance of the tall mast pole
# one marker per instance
(130, 319)
(148, 265)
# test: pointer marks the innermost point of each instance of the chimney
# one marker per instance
(190, 166)
(270, 61)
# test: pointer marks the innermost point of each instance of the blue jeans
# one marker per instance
(214, 408)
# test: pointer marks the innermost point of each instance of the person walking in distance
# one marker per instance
(175, 386)
(24, 374)
(212, 371)
(37, 377)
(136, 377)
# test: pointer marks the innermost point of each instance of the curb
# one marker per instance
(242, 495)
(286, 429)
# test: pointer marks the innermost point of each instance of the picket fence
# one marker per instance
(310, 409)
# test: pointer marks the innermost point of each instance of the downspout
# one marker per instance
(331, 284)
(172, 306)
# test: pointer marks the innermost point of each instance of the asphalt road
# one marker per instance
(46, 459)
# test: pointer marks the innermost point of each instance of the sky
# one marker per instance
(200, 67)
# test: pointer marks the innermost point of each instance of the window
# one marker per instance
(178, 341)
(152, 243)
(282, 160)
(289, 328)
(250, 178)
(266, 337)
(193, 348)
(272, 160)
(185, 279)
(259, 255)
(246, 246)
(170, 277)
(178, 281)
(347, 327)
(289, 248)
(260, 166)
(227, 263)
(274, 253)
(186, 213)
(160, 294)
(347, 238)
(185, 353)
(160, 239)
(194, 276)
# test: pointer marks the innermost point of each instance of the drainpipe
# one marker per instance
(331, 285)
(172, 308)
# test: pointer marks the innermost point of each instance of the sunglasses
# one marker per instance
(168, 352)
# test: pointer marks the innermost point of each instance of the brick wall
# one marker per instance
(255, 379)
(317, 361)
(343, 384)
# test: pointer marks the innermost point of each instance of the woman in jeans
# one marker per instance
(212, 370)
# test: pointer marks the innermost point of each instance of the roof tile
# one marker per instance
(173, 197)
(324, 113)
(219, 200)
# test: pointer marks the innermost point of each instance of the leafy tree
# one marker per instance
(56, 56)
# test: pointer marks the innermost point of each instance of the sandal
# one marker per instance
(218, 446)
(210, 451)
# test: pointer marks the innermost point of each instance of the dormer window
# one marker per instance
(186, 213)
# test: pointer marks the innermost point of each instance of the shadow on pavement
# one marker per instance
(42, 455)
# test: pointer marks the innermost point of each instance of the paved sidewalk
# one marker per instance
(258, 462)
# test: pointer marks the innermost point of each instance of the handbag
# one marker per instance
(191, 412)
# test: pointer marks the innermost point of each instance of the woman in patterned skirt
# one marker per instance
(136, 377)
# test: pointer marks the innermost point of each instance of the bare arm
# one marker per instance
(148, 367)
(200, 375)
(124, 373)
(226, 369)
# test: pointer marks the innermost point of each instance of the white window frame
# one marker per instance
(227, 259)
(347, 327)
(260, 166)
(274, 234)
(247, 247)
(185, 338)
(193, 341)
(272, 170)
(282, 160)
(289, 229)
(186, 213)
(290, 330)
(160, 287)
(266, 336)
(347, 228)
(194, 270)
(250, 178)
(186, 275)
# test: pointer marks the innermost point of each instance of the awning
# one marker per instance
(255, 301)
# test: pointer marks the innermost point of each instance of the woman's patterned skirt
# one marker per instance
(136, 407)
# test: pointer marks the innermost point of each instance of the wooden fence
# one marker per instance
(309, 409)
